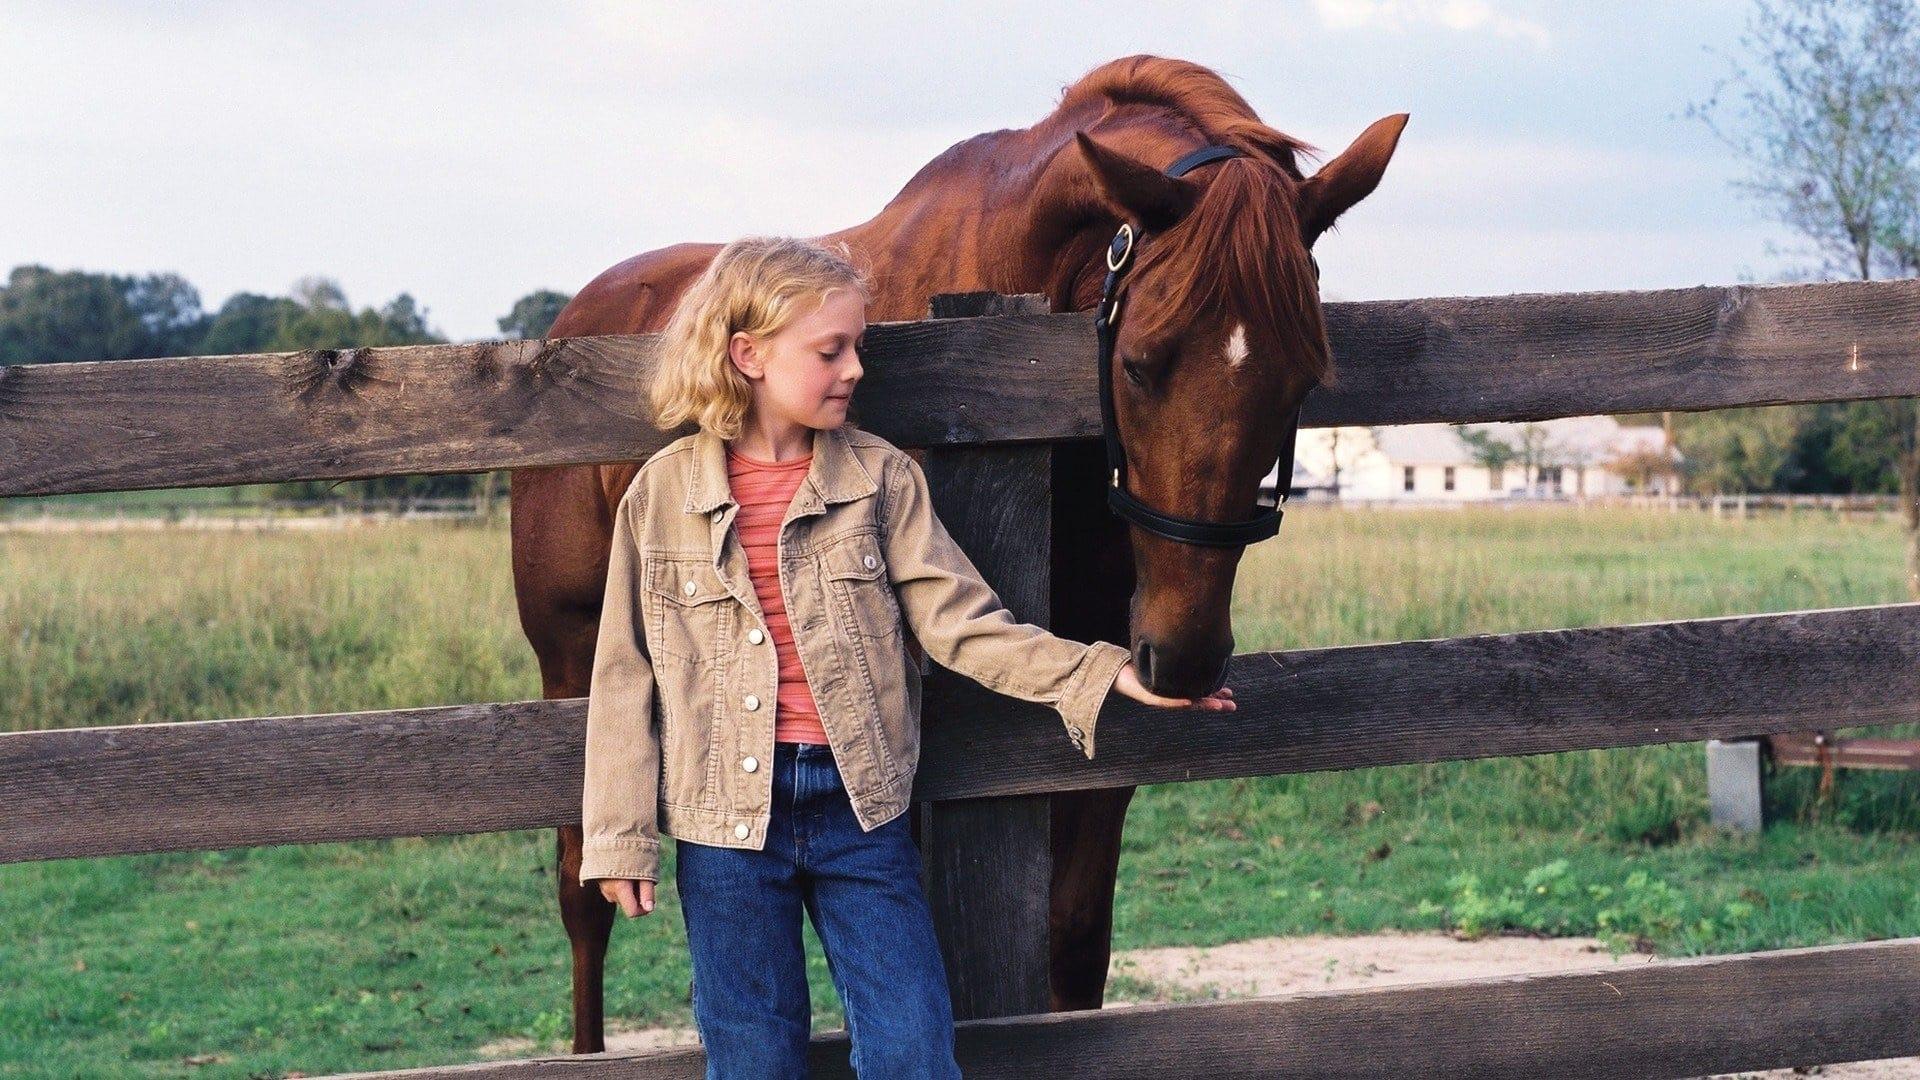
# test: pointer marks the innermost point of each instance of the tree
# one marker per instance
(1899, 236)
(315, 292)
(321, 318)
(533, 314)
(48, 316)
(1531, 446)
(1828, 116)
(1641, 465)
(1731, 451)
(403, 321)
(247, 323)
(1841, 447)
(1489, 451)
(168, 309)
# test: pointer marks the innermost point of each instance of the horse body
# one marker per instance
(1030, 211)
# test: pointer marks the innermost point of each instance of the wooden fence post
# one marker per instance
(1736, 787)
(989, 862)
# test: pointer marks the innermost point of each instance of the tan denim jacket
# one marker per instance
(680, 710)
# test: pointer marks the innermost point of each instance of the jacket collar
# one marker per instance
(834, 475)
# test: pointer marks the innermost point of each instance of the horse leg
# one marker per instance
(1093, 581)
(560, 541)
(1086, 861)
(588, 919)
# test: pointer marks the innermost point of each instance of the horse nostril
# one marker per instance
(1143, 661)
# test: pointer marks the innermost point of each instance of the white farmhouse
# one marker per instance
(1575, 457)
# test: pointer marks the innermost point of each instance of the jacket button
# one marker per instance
(741, 830)
(869, 560)
(752, 703)
(718, 514)
(750, 763)
(755, 637)
(689, 588)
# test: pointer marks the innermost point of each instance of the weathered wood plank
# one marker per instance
(1532, 356)
(462, 408)
(483, 768)
(1665, 1019)
(1481, 696)
(212, 784)
(989, 862)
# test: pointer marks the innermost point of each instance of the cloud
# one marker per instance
(1403, 15)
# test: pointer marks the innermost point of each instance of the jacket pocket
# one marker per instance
(856, 571)
(689, 610)
(688, 638)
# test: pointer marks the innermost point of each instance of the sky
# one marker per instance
(469, 153)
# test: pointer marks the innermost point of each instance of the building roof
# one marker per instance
(1573, 440)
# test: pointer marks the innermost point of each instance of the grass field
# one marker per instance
(387, 954)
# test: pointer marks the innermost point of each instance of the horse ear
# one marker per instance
(1142, 192)
(1348, 178)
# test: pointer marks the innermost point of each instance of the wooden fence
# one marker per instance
(981, 384)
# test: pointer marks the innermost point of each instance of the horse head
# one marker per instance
(1216, 336)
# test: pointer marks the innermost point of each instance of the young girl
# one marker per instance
(763, 352)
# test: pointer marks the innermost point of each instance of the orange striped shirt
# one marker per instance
(764, 490)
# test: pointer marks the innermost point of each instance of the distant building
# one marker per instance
(1575, 457)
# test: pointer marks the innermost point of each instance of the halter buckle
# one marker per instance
(1116, 252)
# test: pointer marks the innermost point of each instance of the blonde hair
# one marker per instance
(756, 284)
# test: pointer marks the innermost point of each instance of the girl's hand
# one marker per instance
(621, 891)
(1128, 683)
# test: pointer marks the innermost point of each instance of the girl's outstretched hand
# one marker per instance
(621, 891)
(1128, 683)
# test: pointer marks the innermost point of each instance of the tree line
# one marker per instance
(55, 316)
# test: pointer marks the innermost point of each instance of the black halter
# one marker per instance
(1186, 530)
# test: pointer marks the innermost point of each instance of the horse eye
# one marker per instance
(1131, 366)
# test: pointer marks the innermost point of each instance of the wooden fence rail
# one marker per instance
(1667, 1019)
(329, 414)
(484, 768)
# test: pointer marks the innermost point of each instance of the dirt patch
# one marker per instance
(1266, 967)
(625, 1040)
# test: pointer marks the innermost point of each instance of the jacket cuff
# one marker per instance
(1087, 690)
(619, 858)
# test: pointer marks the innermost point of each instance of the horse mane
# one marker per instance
(1240, 244)
(1197, 95)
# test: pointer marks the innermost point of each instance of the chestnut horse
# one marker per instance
(1222, 338)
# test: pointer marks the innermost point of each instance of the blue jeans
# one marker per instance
(863, 892)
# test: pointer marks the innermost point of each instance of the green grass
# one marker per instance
(390, 954)
(152, 502)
